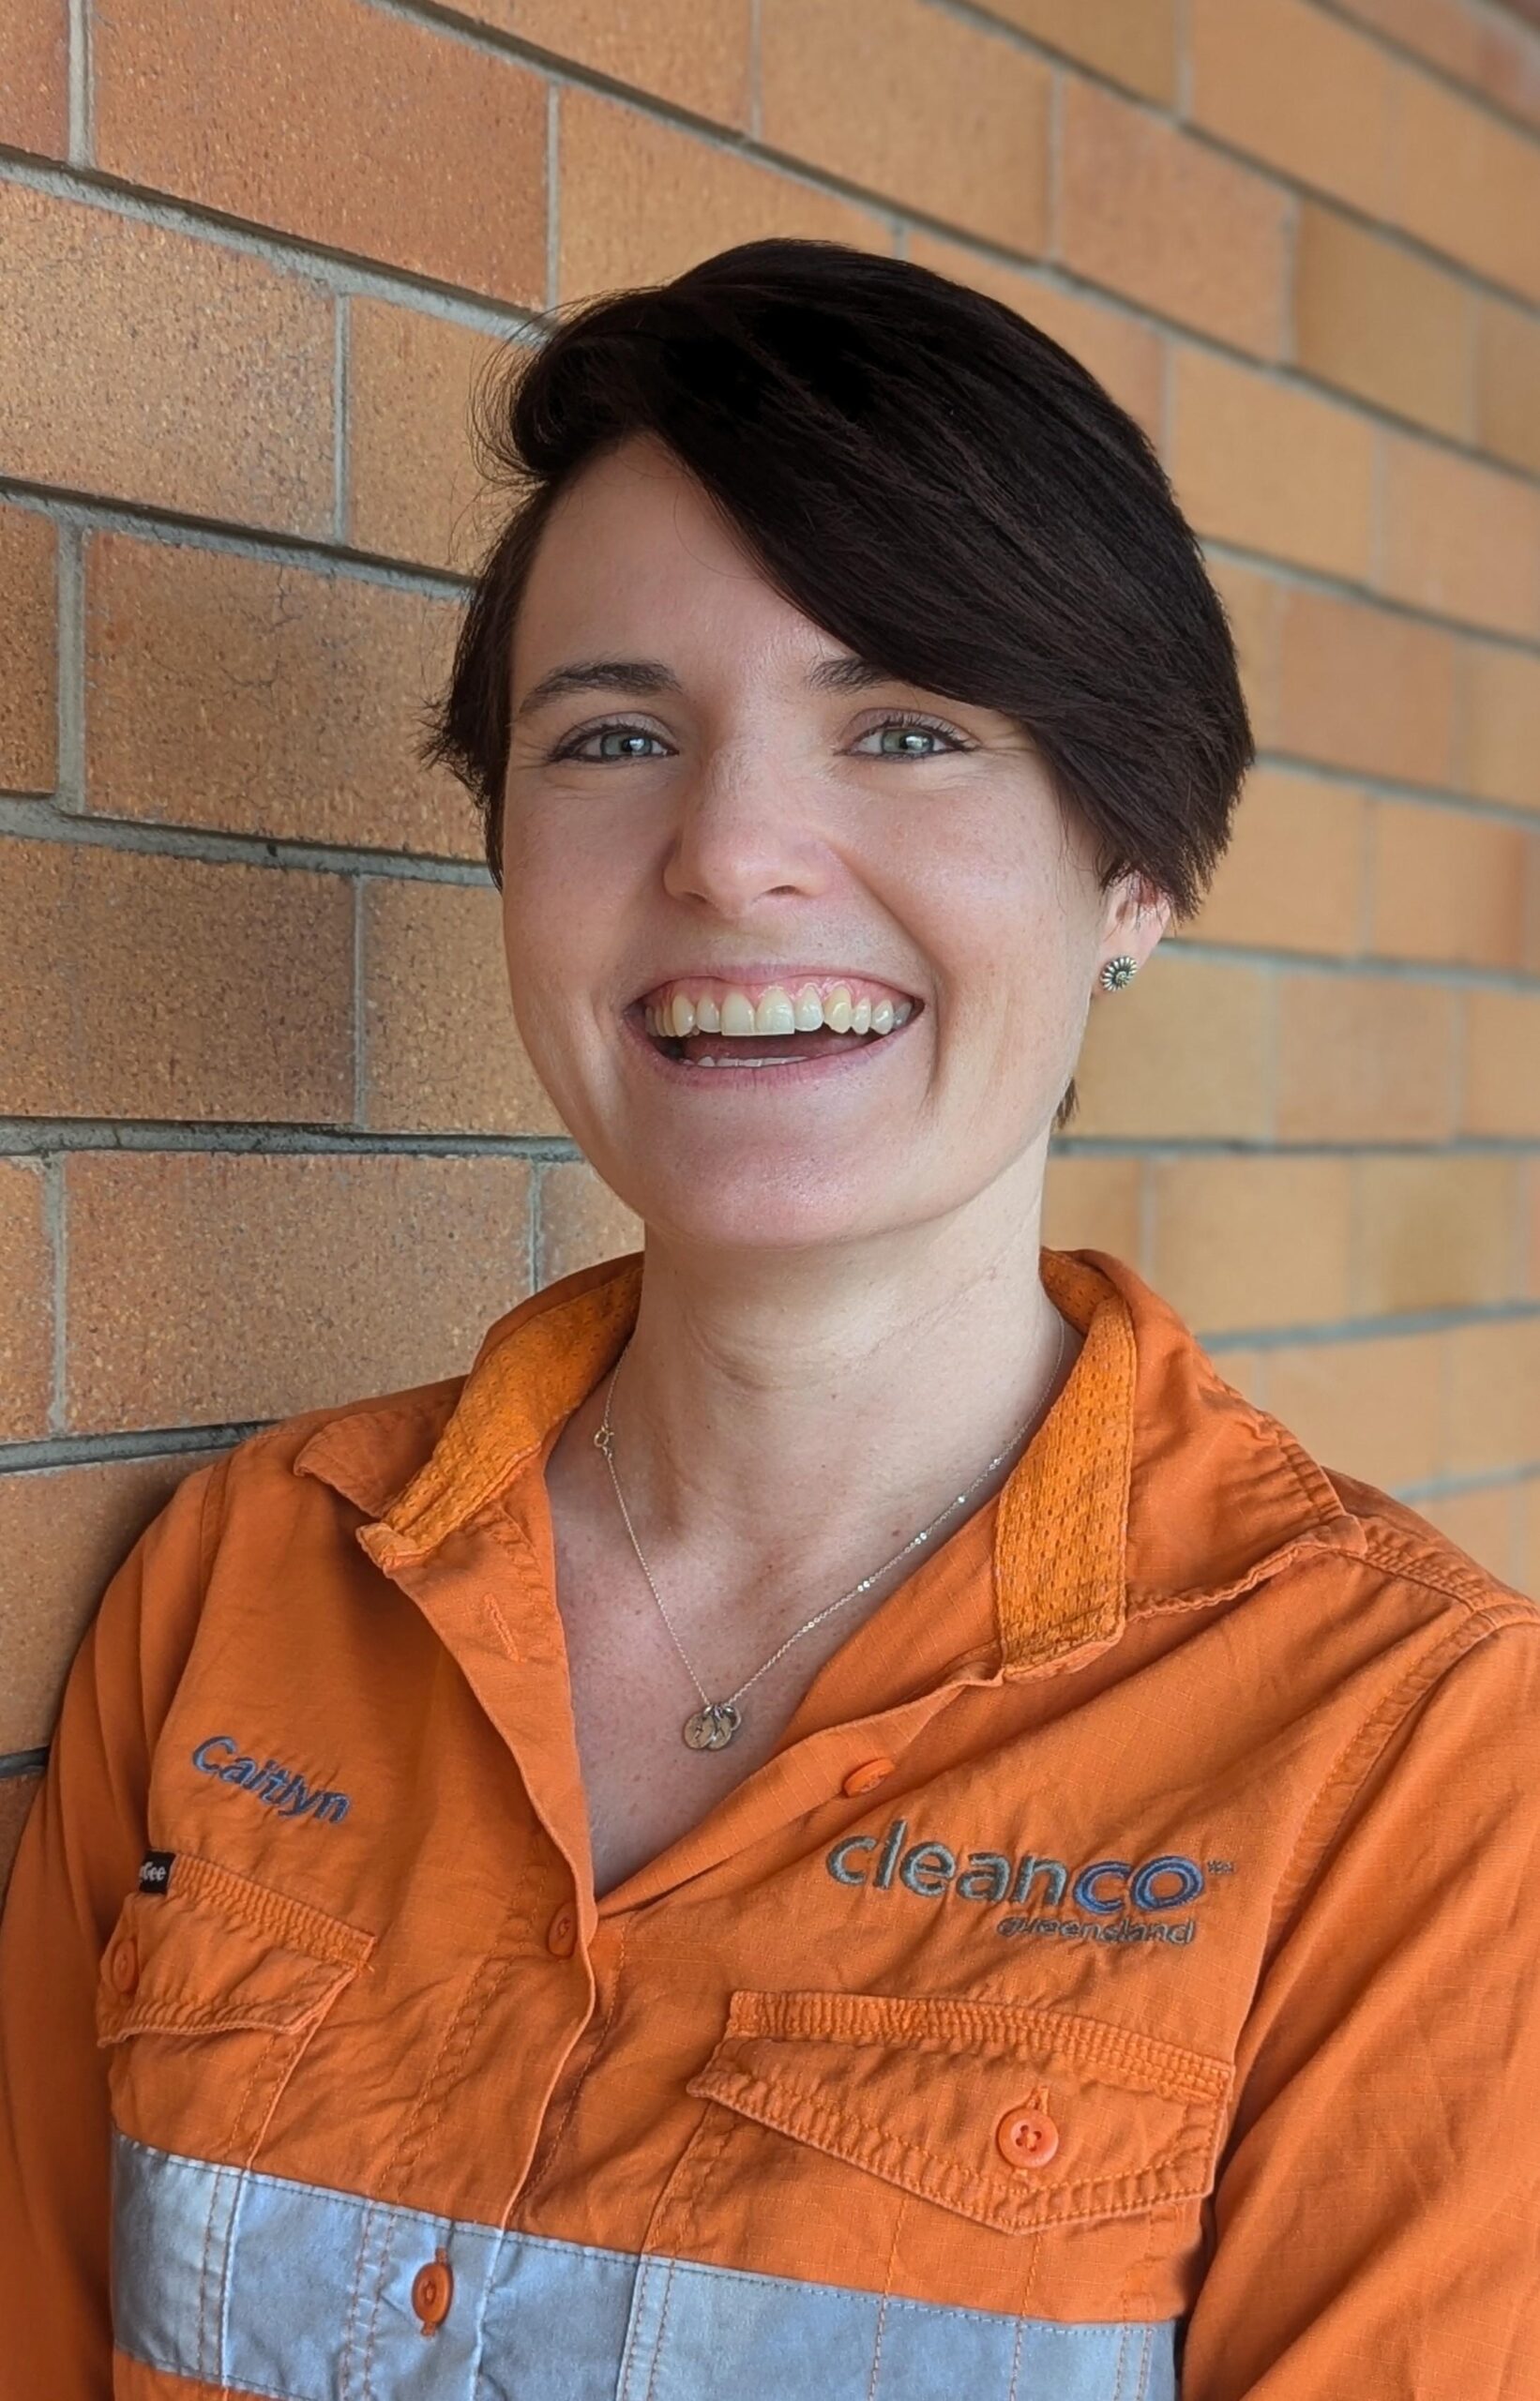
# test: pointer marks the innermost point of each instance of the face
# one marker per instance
(731, 824)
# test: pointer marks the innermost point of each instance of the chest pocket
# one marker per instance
(1017, 2119)
(208, 1993)
(896, 2168)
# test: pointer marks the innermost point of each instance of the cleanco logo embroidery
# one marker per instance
(287, 1792)
(1111, 1900)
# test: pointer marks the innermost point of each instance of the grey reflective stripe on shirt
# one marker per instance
(266, 2285)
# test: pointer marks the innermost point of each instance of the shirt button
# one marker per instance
(433, 2288)
(562, 1933)
(125, 1965)
(1027, 2137)
(861, 1779)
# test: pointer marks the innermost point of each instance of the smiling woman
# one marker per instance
(847, 705)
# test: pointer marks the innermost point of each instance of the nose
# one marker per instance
(742, 837)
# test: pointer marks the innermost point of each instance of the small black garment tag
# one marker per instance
(155, 1870)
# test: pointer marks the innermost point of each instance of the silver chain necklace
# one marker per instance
(712, 1727)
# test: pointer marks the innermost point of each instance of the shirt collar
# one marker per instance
(1151, 1484)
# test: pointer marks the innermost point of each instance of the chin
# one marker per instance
(758, 1205)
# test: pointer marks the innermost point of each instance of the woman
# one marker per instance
(842, 1817)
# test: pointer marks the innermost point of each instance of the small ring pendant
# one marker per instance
(713, 1728)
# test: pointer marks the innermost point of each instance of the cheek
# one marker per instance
(565, 891)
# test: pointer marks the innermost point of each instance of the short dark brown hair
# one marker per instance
(925, 474)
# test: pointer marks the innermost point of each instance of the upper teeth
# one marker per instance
(776, 1011)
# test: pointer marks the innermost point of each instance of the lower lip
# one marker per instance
(796, 1071)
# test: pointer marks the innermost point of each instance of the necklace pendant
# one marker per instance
(713, 1728)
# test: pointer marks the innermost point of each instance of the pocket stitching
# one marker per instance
(1081, 2198)
(1175, 2074)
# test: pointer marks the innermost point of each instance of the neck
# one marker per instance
(783, 1418)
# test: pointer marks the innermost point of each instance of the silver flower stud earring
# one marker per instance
(1118, 972)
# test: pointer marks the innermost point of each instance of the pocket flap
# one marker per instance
(214, 1949)
(1011, 2116)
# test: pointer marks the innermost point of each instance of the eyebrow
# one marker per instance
(644, 677)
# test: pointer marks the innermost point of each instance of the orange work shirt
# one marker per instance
(1122, 1980)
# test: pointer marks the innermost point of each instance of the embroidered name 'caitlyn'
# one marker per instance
(288, 1793)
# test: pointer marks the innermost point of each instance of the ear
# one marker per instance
(1138, 914)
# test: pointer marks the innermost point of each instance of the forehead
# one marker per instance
(636, 556)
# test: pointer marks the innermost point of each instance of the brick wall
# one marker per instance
(267, 1138)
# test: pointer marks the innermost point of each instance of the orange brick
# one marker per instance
(26, 1307)
(441, 1048)
(1529, 1208)
(1183, 1051)
(1361, 688)
(642, 201)
(34, 75)
(1528, 1571)
(64, 1533)
(1448, 884)
(1189, 234)
(1125, 355)
(1241, 1243)
(1253, 603)
(1502, 1081)
(28, 705)
(1433, 1233)
(1508, 383)
(1500, 752)
(1293, 877)
(1494, 1395)
(1476, 45)
(1465, 183)
(1096, 1205)
(150, 366)
(1461, 538)
(945, 117)
(1132, 41)
(1297, 88)
(1373, 1407)
(262, 698)
(414, 489)
(1364, 1059)
(695, 52)
(163, 987)
(352, 126)
(17, 1794)
(1271, 467)
(222, 1289)
(1480, 1523)
(582, 1221)
(1372, 316)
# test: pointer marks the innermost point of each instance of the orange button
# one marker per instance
(1027, 2137)
(125, 1965)
(562, 1933)
(861, 1779)
(433, 2288)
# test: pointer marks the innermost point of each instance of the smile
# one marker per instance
(702, 1021)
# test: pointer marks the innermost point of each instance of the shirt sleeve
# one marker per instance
(78, 1858)
(1376, 2222)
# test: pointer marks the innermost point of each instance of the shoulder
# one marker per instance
(1442, 1636)
(360, 1451)
(1401, 1541)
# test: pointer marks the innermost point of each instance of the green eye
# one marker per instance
(574, 749)
(907, 723)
